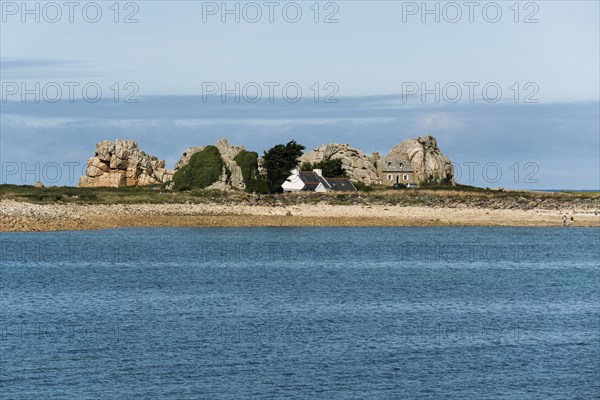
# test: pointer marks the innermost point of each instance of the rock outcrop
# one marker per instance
(121, 163)
(231, 176)
(428, 162)
(187, 154)
(357, 164)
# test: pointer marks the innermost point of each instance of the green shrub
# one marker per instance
(248, 162)
(258, 185)
(308, 166)
(165, 185)
(331, 168)
(203, 170)
(361, 187)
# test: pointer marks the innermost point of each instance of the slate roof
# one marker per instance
(341, 184)
(395, 164)
(311, 186)
(312, 178)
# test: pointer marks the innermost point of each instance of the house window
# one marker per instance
(389, 164)
(390, 177)
(405, 177)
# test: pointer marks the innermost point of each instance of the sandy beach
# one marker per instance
(27, 217)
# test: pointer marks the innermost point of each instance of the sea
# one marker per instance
(301, 313)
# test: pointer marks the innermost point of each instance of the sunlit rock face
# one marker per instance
(428, 162)
(121, 163)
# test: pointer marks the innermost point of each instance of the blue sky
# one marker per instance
(369, 58)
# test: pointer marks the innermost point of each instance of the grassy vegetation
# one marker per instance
(123, 195)
(457, 187)
(379, 195)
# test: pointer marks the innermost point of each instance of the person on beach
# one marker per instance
(572, 220)
(564, 219)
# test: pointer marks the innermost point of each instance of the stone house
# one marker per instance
(397, 169)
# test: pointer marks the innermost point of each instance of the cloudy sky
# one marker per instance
(510, 92)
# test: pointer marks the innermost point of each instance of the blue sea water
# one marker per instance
(304, 313)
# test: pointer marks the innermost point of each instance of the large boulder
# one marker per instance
(228, 153)
(95, 167)
(428, 162)
(358, 166)
(187, 154)
(121, 163)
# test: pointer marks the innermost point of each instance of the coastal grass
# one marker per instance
(122, 195)
(426, 196)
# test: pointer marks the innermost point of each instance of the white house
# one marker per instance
(315, 182)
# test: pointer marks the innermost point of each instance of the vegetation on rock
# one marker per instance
(248, 163)
(204, 169)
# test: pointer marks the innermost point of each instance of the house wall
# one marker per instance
(403, 177)
(320, 188)
(293, 184)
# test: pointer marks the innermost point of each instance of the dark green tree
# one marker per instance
(332, 168)
(279, 161)
(204, 169)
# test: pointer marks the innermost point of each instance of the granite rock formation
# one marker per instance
(231, 176)
(121, 163)
(428, 163)
(358, 165)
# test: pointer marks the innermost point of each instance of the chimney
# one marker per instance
(318, 172)
(375, 155)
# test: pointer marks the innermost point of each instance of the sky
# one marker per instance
(510, 89)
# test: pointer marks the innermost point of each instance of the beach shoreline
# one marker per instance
(18, 216)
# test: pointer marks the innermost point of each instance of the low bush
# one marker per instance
(361, 187)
